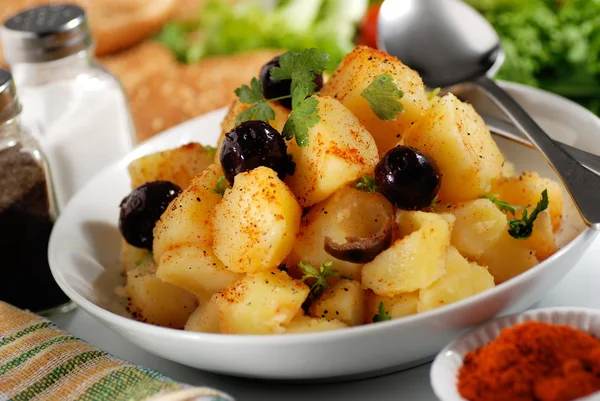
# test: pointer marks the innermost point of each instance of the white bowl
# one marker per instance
(84, 257)
(446, 366)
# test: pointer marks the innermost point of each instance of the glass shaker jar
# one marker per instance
(76, 109)
(27, 213)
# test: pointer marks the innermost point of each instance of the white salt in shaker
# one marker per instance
(76, 109)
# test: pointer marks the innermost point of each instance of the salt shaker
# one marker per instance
(27, 213)
(76, 109)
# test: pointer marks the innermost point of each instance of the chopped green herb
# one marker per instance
(260, 111)
(503, 205)
(251, 94)
(366, 183)
(432, 93)
(383, 96)
(382, 314)
(317, 276)
(211, 150)
(145, 258)
(221, 186)
(301, 68)
(304, 116)
(434, 202)
(523, 227)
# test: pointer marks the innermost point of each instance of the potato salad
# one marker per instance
(329, 204)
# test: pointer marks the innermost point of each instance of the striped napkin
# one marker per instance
(38, 361)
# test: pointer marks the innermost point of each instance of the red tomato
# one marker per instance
(368, 27)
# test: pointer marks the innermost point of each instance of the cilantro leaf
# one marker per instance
(382, 314)
(318, 276)
(260, 111)
(366, 183)
(304, 116)
(503, 205)
(301, 68)
(251, 94)
(523, 227)
(432, 93)
(383, 96)
(211, 150)
(221, 186)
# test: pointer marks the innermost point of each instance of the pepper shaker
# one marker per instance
(27, 214)
(76, 109)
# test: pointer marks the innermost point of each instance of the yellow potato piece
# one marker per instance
(339, 150)
(508, 258)
(187, 219)
(397, 306)
(460, 143)
(461, 280)
(261, 303)
(356, 71)
(205, 318)
(256, 222)
(196, 270)
(526, 190)
(412, 262)
(306, 324)
(343, 301)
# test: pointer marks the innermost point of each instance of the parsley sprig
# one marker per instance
(220, 186)
(503, 205)
(366, 183)
(382, 314)
(523, 227)
(300, 68)
(318, 276)
(383, 96)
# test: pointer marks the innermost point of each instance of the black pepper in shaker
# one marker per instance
(27, 213)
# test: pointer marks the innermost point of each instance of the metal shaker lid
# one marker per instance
(9, 103)
(45, 33)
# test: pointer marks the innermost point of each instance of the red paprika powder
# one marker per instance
(532, 362)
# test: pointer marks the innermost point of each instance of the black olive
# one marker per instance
(273, 89)
(141, 209)
(252, 144)
(408, 178)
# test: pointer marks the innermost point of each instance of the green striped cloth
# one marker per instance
(38, 361)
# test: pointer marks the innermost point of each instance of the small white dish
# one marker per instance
(446, 366)
(85, 247)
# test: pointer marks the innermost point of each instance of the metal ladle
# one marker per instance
(449, 44)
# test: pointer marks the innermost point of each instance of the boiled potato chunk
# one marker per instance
(153, 301)
(407, 222)
(256, 222)
(344, 301)
(357, 71)
(542, 239)
(261, 303)
(306, 324)
(196, 270)
(478, 226)
(178, 165)
(229, 122)
(347, 213)
(460, 143)
(414, 261)
(397, 306)
(339, 150)
(461, 280)
(205, 318)
(508, 258)
(187, 219)
(526, 190)
(132, 257)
